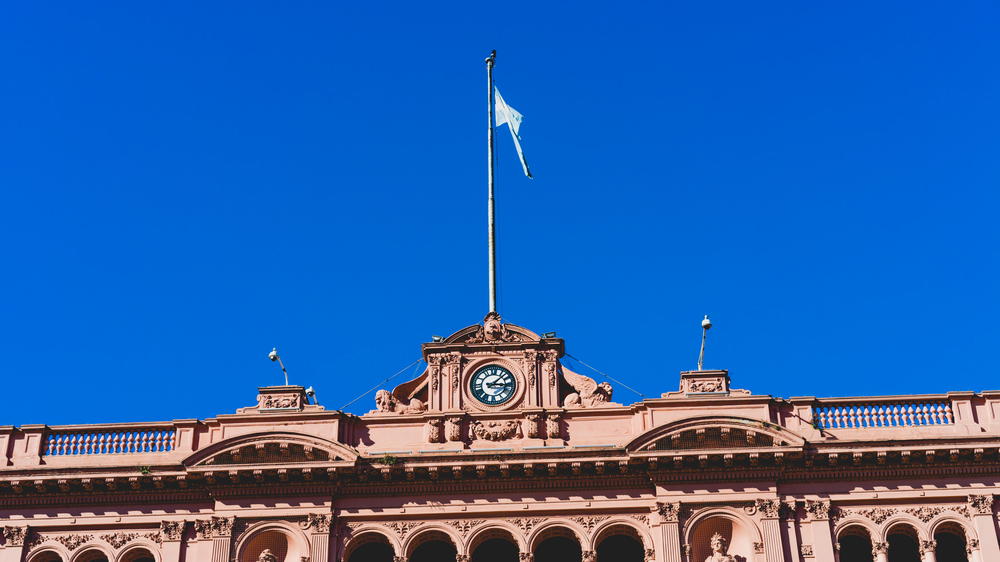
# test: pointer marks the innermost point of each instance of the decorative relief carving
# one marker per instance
(435, 376)
(641, 519)
(806, 550)
(588, 392)
(526, 557)
(317, 522)
(221, 526)
(493, 330)
(386, 403)
(706, 385)
(434, 430)
(460, 558)
(880, 548)
(402, 528)
(530, 426)
(982, 505)
(925, 513)
(789, 509)
(818, 509)
(649, 554)
(14, 536)
(669, 511)
(496, 430)
(550, 373)
(878, 514)
(719, 547)
(758, 547)
(171, 530)
(73, 542)
(453, 428)
(927, 546)
(589, 556)
(768, 507)
(466, 525)
(278, 401)
(120, 539)
(553, 428)
(526, 524)
(589, 521)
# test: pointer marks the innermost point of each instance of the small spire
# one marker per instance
(706, 324)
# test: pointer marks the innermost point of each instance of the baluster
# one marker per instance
(128, 438)
(910, 417)
(838, 417)
(102, 443)
(866, 416)
(158, 444)
(936, 414)
(173, 440)
(145, 442)
(925, 418)
(116, 442)
(893, 412)
(947, 413)
(58, 444)
(48, 444)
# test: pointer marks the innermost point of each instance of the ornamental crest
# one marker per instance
(493, 330)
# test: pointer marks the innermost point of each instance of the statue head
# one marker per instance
(718, 543)
(267, 556)
(383, 401)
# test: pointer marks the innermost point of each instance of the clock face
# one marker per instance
(493, 385)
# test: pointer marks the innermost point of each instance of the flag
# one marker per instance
(510, 116)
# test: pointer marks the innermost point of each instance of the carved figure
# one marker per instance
(386, 402)
(493, 330)
(718, 544)
(588, 392)
(267, 556)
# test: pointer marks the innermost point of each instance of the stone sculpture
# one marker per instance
(267, 556)
(588, 392)
(718, 544)
(387, 403)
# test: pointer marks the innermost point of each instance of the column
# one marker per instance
(880, 551)
(13, 543)
(981, 511)
(818, 512)
(789, 512)
(927, 553)
(670, 534)
(319, 539)
(171, 533)
(770, 510)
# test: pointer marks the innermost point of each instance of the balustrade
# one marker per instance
(109, 442)
(847, 414)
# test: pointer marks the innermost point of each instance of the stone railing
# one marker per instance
(131, 440)
(881, 412)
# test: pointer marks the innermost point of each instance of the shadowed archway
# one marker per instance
(495, 550)
(855, 544)
(904, 545)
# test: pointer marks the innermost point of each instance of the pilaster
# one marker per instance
(318, 526)
(981, 511)
(13, 543)
(171, 535)
(670, 534)
(818, 513)
(770, 510)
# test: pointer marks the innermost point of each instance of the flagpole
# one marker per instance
(491, 218)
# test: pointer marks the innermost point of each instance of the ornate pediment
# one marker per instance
(273, 449)
(717, 433)
(493, 331)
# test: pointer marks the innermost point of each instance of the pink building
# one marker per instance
(498, 452)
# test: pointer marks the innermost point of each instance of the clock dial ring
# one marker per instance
(493, 385)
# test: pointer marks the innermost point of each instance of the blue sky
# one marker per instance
(187, 185)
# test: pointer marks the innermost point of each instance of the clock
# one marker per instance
(493, 385)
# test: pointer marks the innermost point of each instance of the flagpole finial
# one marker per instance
(706, 325)
(492, 59)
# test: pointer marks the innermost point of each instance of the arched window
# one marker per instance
(495, 550)
(93, 555)
(47, 556)
(855, 544)
(557, 548)
(620, 548)
(138, 555)
(432, 546)
(370, 547)
(950, 543)
(904, 545)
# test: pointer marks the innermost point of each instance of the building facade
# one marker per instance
(499, 452)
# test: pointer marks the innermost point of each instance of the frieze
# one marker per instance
(496, 430)
(71, 542)
(706, 385)
(14, 536)
(925, 513)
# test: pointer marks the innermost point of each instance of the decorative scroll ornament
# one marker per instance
(669, 511)
(496, 430)
(402, 528)
(119, 540)
(435, 377)
(768, 507)
(878, 514)
(806, 550)
(493, 330)
(818, 509)
(171, 530)
(925, 513)
(982, 505)
(73, 542)
(648, 554)
(14, 536)
(880, 548)
(927, 546)
(552, 426)
(221, 526)
(530, 426)
(758, 547)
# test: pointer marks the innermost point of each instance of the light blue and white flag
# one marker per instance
(510, 116)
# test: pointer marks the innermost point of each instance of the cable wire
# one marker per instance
(641, 395)
(400, 372)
